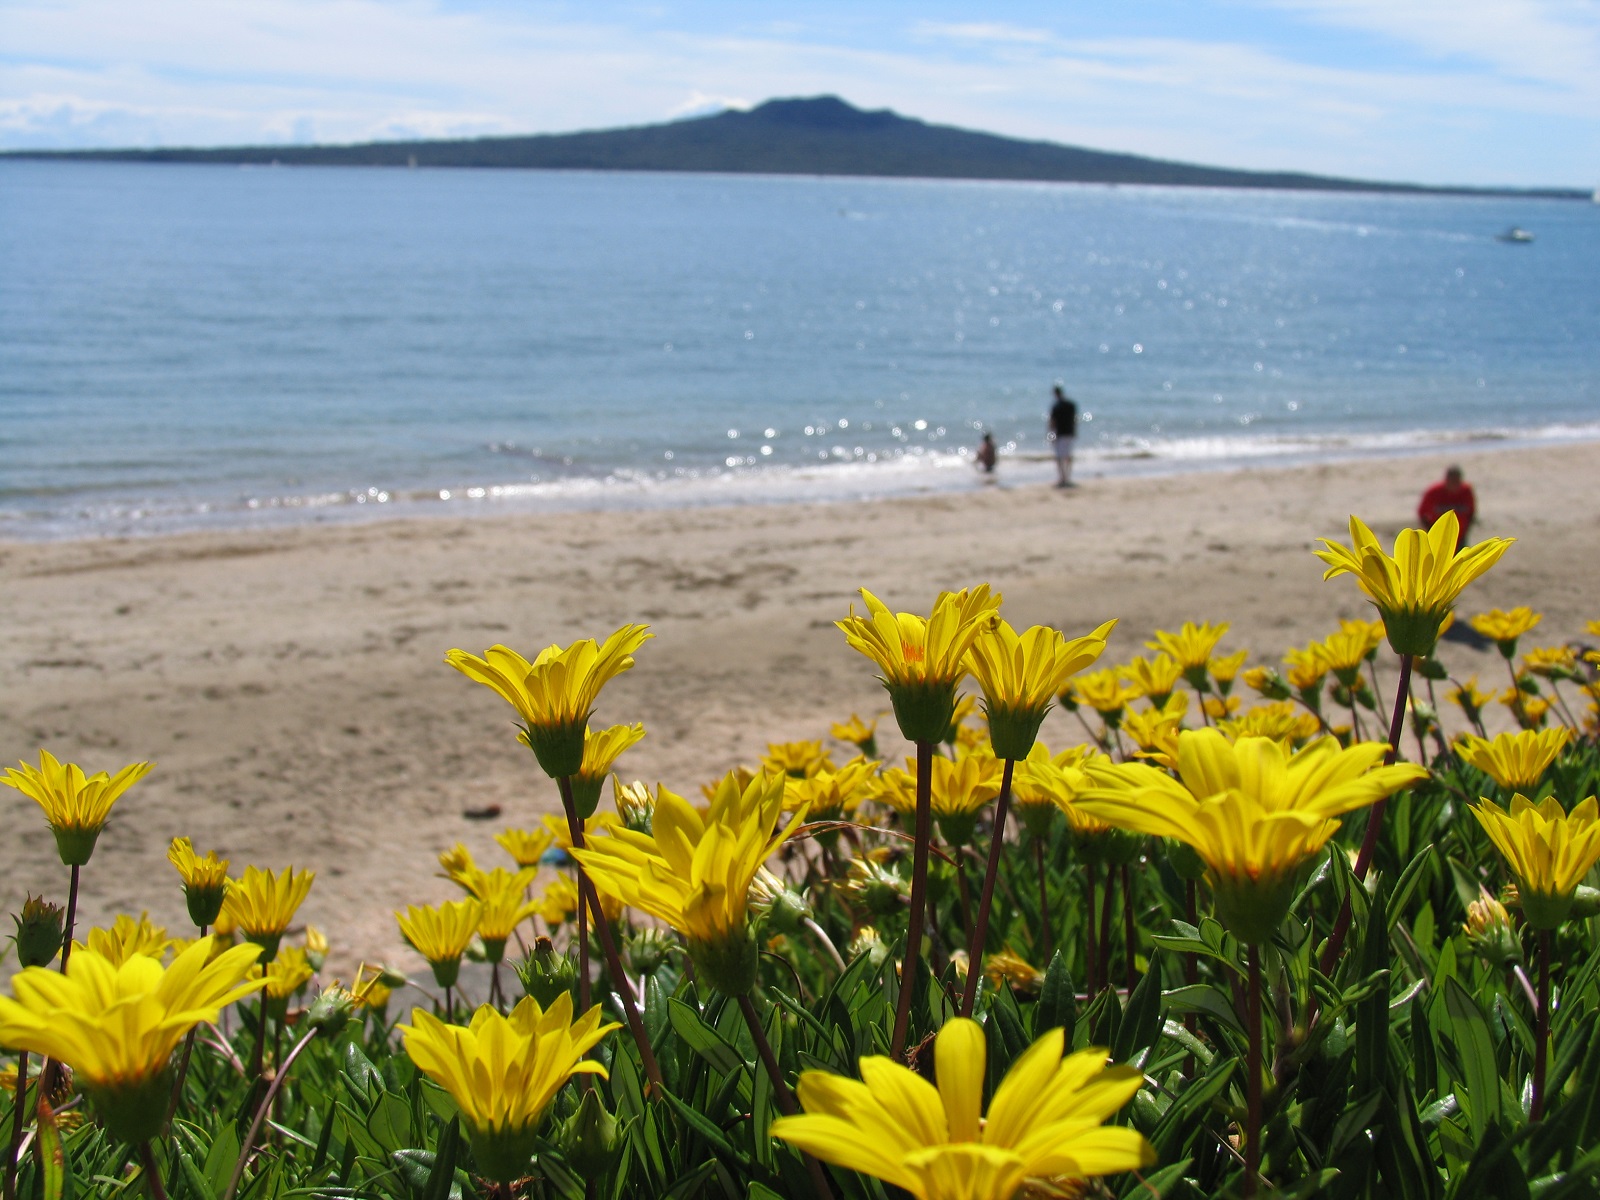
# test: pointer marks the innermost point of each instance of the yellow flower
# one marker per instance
(798, 760)
(263, 903)
(860, 734)
(1416, 588)
(1047, 1118)
(371, 991)
(458, 866)
(117, 1025)
(503, 1072)
(76, 805)
(829, 794)
(504, 906)
(1281, 721)
(558, 903)
(1105, 692)
(1504, 628)
(1548, 850)
(127, 937)
(284, 975)
(526, 846)
(1154, 677)
(441, 933)
(1307, 667)
(205, 880)
(1530, 711)
(1372, 631)
(1226, 669)
(555, 693)
(1254, 813)
(1192, 646)
(561, 832)
(1264, 681)
(1470, 698)
(923, 659)
(1155, 732)
(1063, 782)
(1021, 674)
(1010, 967)
(600, 751)
(1220, 708)
(694, 872)
(316, 947)
(1516, 761)
(635, 802)
(1552, 662)
(1343, 653)
(960, 790)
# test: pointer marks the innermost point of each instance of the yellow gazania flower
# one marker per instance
(117, 1025)
(960, 790)
(829, 795)
(1254, 813)
(1530, 711)
(1008, 966)
(205, 880)
(1265, 681)
(126, 937)
(1372, 631)
(504, 907)
(1154, 677)
(561, 832)
(1307, 667)
(1047, 1118)
(503, 1072)
(1552, 662)
(1021, 675)
(76, 805)
(1516, 761)
(262, 904)
(1155, 732)
(371, 991)
(458, 866)
(694, 872)
(923, 659)
(1470, 699)
(558, 903)
(1281, 721)
(1192, 646)
(1105, 691)
(1504, 628)
(600, 751)
(1220, 708)
(526, 846)
(1063, 782)
(860, 734)
(284, 975)
(1416, 587)
(441, 933)
(798, 760)
(1343, 653)
(1226, 669)
(316, 947)
(555, 693)
(1548, 850)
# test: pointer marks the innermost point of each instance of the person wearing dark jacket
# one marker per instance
(1064, 433)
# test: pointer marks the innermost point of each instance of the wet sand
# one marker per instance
(290, 684)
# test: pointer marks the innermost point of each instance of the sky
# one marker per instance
(1490, 92)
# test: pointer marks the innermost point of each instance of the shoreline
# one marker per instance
(846, 481)
(289, 683)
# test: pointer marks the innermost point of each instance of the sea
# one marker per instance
(187, 346)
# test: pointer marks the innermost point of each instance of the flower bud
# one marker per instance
(330, 1012)
(588, 1139)
(784, 907)
(546, 973)
(649, 949)
(39, 932)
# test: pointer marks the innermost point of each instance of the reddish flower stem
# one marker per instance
(787, 1104)
(1541, 1031)
(1046, 946)
(18, 1098)
(919, 903)
(980, 931)
(1252, 1145)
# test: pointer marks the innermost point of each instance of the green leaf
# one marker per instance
(222, 1156)
(1203, 1000)
(1158, 1183)
(444, 1162)
(52, 1154)
(703, 1126)
(1469, 1030)
(1493, 1171)
(1058, 1002)
(1399, 900)
(1141, 1020)
(1372, 1014)
(702, 1038)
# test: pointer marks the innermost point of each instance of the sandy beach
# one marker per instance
(291, 689)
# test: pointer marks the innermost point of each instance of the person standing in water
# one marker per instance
(986, 454)
(1064, 433)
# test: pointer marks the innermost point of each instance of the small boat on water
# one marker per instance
(1515, 234)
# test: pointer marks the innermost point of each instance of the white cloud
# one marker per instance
(103, 72)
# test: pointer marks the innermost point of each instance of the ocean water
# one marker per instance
(185, 346)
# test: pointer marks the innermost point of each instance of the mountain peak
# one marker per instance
(819, 112)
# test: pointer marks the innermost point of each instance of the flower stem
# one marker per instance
(152, 1173)
(1091, 952)
(1130, 939)
(1541, 1030)
(47, 1069)
(18, 1097)
(821, 934)
(589, 900)
(1369, 843)
(279, 1075)
(1252, 1145)
(919, 902)
(784, 1098)
(1105, 927)
(1045, 946)
(980, 930)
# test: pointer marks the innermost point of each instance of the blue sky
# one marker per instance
(1439, 91)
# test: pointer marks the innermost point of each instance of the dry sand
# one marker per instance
(290, 686)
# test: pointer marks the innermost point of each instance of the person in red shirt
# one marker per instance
(1450, 494)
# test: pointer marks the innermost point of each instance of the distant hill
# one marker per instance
(817, 136)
